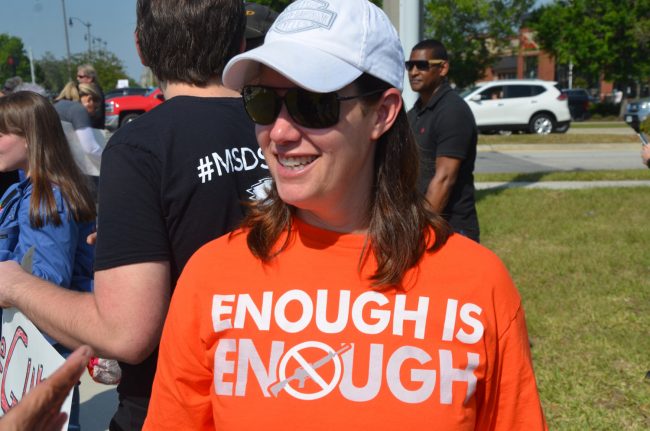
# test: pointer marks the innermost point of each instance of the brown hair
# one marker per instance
(33, 118)
(189, 41)
(400, 219)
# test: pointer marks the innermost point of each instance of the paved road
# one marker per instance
(555, 157)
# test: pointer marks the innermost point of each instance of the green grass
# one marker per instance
(614, 175)
(618, 124)
(559, 138)
(581, 260)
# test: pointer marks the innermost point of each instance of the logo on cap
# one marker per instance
(304, 15)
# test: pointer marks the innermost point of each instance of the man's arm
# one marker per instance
(122, 319)
(442, 183)
(645, 155)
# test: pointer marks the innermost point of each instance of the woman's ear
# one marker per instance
(386, 111)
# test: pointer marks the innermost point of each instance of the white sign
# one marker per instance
(26, 358)
(122, 83)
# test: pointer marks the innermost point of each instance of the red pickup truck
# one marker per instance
(122, 109)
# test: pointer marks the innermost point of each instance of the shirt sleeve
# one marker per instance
(131, 226)
(54, 246)
(90, 146)
(512, 401)
(455, 131)
(79, 117)
(182, 388)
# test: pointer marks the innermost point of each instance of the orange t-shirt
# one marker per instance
(305, 343)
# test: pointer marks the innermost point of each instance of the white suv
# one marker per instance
(530, 105)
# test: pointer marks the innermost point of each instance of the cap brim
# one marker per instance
(304, 65)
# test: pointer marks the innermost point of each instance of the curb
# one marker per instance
(556, 147)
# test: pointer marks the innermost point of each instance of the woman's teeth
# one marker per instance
(296, 162)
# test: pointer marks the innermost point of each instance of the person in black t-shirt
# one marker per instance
(446, 132)
(172, 180)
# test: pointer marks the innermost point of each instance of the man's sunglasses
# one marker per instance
(306, 108)
(423, 65)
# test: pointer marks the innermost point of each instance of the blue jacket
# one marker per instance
(61, 254)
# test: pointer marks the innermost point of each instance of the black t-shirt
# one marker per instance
(445, 127)
(171, 181)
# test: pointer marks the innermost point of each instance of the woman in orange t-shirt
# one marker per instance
(343, 302)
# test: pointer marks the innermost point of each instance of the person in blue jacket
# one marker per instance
(52, 209)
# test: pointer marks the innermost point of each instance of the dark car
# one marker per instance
(126, 91)
(579, 102)
(637, 111)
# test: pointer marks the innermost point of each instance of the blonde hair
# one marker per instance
(91, 90)
(69, 92)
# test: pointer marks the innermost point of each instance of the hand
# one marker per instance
(10, 273)
(645, 155)
(91, 239)
(40, 409)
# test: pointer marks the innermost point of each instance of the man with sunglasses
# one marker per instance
(446, 132)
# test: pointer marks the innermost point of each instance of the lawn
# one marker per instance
(581, 260)
(560, 138)
(610, 175)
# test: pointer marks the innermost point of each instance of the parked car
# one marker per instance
(579, 102)
(637, 110)
(123, 109)
(126, 91)
(528, 105)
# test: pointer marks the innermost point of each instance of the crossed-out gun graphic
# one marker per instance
(301, 374)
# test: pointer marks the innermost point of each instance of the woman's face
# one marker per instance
(13, 152)
(89, 103)
(327, 174)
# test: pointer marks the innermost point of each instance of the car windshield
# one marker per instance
(465, 91)
(151, 91)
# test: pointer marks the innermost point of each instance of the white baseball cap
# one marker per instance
(324, 45)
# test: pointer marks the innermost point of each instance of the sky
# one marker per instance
(40, 25)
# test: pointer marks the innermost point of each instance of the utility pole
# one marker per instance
(407, 17)
(67, 39)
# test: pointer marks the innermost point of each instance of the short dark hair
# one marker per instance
(437, 48)
(189, 41)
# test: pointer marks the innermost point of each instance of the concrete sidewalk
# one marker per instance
(98, 404)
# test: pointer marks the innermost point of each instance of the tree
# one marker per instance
(13, 59)
(475, 32)
(607, 38)
(51, 72)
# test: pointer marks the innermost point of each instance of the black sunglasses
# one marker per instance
(306, 108)
(423, 65)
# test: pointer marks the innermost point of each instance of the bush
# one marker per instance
(604, 109)
(645, 126)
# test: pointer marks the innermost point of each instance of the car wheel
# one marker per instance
(542, 124)
(128, 118)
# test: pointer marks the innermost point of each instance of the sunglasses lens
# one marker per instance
(262, 104)
(312, 110)
(422, 65)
